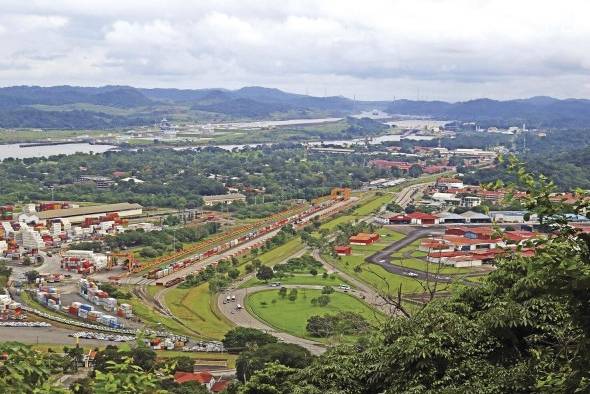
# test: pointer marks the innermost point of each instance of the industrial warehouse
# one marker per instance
(78, 215)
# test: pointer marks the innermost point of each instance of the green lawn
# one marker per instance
(369, 203)
(153, 290)
(292, 317)
(331, 225)
(373, 205)
(277, 254)
(154, 320)
(375, 275)
(421, 265)
(418, 253)
(372, 274)
(195, 308)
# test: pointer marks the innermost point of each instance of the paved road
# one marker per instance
(405, 196)
(47, 335)
(244, 319)
(370, 295)
(383, 257)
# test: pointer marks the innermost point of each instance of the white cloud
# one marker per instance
(446, 49)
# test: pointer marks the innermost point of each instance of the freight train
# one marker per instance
(177, 266)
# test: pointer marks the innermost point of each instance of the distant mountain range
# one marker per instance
(540, 111)
(73, 107)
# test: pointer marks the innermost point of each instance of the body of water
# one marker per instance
(16, 152)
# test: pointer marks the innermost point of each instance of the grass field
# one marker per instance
(155, 320)
(370, 203)
(422, 265)
(153, 290)
(418, 253)
(373, 205)
(292, 317)
(277, 254)
(195, 308)
(374, 275)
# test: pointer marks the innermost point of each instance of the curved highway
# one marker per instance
(241, 317)
(383, 257)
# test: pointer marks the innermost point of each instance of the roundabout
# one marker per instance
(251, 313)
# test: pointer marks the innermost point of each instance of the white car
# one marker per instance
(411, 274)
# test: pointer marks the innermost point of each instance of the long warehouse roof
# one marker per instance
(90, 210)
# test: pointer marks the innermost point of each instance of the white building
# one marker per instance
(29, 239)
(449, 183)
(511, 216)
(98, 259)
(470, 201)
(223, 199)
(447, 198)
(7, 228)
(55, 229)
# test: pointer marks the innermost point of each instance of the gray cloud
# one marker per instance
(445, 49)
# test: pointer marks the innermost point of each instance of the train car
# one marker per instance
(173, 282)
(152, 274)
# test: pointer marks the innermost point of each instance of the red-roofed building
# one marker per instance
(363, 239)
(439, 245)
(220, 386)
(516, 237)
(422, 218)
(493, 196)
(471, 232)
(464, 261)
(387, 164)
(343, 250)
(434, 169)
(400, 219)
(467, 244)
(204, 378)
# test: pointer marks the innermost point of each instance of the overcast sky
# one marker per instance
(431, 49)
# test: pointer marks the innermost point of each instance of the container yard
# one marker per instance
(9, 309)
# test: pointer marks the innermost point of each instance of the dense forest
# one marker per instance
(179, 178)
(535, 111)
(568, 169)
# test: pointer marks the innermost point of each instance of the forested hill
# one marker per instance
(569, 170)
(71, 107)
(535, 111)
